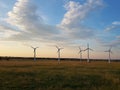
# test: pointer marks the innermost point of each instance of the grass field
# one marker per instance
(68, 75)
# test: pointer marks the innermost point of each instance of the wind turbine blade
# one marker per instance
(85, 49)
(58, 50)
(57, 47)
(82, 50)
(32, 47)
(61, 48)
(91, 49)
(111, 52)
(78, 52)
(106, 51)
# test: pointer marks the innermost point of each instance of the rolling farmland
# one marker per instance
(68, 75)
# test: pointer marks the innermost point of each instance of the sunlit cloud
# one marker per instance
(7, 31)
(116, 23)
(24, 16)
(108, 38)
(114, 26)
(31, 25)
(76, 13)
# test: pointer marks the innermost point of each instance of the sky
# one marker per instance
(66, 23)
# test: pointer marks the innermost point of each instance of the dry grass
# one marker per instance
(68, 75)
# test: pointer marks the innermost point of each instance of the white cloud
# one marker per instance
(76, 13)
(111, 39)
(116, 23)
(24, 16)
(105, 41)
(7, 31)
(114, 26)
(31, 25)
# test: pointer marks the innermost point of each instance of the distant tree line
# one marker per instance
(42, 58)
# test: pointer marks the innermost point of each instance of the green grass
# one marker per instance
(68, 75)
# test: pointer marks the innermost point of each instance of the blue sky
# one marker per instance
(66, 23)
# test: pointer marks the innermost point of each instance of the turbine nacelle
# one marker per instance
(108, 51)
(59, 48)
(88, 49)
(34, 47)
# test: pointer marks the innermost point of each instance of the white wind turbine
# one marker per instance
(80, 52)
(34, 50)
(88, 49)
(109, 54)
(58, 53)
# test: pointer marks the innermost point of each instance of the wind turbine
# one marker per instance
(80, 52)
(34, 50)
(58, 53)
(109, 54)
(88, 49)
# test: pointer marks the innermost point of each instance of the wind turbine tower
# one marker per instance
(109, 54)
(80, 52)
(88, 51)
(58, 51)
(34, 50)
